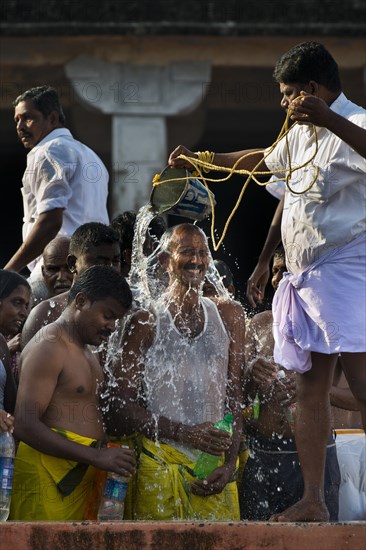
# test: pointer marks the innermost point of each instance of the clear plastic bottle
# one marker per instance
(112, 506)
(7, 453)
(207, 463)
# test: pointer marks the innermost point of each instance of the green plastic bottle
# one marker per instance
(256, 407)
(207, 463)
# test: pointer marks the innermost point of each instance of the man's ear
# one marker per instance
(71, 262)
(163, 258)
(54, 119)
(81, 300)
(314, 88)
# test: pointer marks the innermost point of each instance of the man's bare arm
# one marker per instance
(233, 317)
(258, 280)
(253, 159)
(42, 366)
(44, 230)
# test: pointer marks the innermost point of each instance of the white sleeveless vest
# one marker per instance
(185, 379)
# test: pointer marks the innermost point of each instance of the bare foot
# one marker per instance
(303, 510)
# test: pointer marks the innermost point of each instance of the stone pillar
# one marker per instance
(139, 98)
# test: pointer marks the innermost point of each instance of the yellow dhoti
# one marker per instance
(163, 491)
(50, 488)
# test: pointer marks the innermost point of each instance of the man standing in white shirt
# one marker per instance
(319, 307)
(65, 183)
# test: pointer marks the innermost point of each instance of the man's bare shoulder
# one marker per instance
(49, 339)
(230, 309)
(233, 315)
(141, 323)
(43, 314)
(262, 320)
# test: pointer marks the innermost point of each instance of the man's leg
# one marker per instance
(354, 366)
(312, 430)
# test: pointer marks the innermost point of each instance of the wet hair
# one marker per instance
(280, 253)
(99, 282)
(165, 243)
(91, 234)
(308, 61)
(9, 281)
(45, 99)
(224, 272)
(124, 224)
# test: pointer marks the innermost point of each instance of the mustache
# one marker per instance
(194, 266)
(24, 134)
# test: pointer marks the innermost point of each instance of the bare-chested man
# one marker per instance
(91, 244)
(56, 273)
(180, 370)
(57, 417)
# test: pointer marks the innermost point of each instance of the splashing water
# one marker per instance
(187, 398)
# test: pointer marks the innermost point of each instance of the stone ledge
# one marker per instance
(182, 536)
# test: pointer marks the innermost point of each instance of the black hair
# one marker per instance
(45, 99)
(91, 234)
(9, 281)
(99, 282)
(224, 272)
(308, 61)
(280, 253)
(124, 224)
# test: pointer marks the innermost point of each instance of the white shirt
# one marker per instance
(64, 173)
(332, 212)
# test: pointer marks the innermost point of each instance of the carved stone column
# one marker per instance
(139, 98)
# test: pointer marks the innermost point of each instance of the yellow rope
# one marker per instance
(204, 163)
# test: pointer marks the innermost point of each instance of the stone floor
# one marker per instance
(182, 536)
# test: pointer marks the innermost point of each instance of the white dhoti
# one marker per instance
(323, 308)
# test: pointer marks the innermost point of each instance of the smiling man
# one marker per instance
(65, 183)
(57, 417)
(322, 222)
(179, 371)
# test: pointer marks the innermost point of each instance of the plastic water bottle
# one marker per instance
(112, 505)
(7, 452)
(207, 463)
(256, 407)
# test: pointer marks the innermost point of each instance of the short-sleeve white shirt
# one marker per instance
(64, 173)
(332, 212)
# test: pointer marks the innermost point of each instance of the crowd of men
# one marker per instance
(181, 362)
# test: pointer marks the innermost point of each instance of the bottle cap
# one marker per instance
(228, 418)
